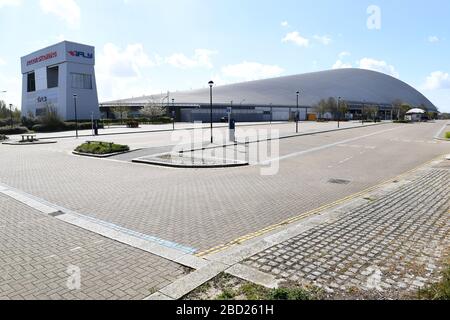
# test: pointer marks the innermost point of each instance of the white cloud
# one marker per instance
(433, 39)
(344, 54)
(66, 10)
(2, 62)
(285, 24)
(341, 65)
(121, 71)
(123, 63)
(437, 80)
(202, 58)
(251, 71)
(10, 3)
(325, 40)
(296, 38)
(378, 65)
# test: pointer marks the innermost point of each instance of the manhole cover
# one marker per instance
(339, 181)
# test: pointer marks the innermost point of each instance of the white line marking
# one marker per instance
(300, 153)
(438, 135)
(76, 249)
(345, 160)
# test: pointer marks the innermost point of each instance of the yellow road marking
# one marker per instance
(302, 216)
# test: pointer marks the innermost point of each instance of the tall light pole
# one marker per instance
(338, 111)
(271, 113)
(297, 115)
(173, 113)
(75, 97)
(211, 84)
(11, 115)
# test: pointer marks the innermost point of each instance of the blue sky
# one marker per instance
(150, 46)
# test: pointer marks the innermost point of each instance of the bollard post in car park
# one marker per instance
(232, 130)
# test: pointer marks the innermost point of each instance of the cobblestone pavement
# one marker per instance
(205, 208)
(38, 255)
(393, 244)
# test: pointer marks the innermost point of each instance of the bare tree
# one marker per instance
(153, 110)
(122, 110)
(321, 108)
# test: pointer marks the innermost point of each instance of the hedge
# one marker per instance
(66, 126)
(12, 131)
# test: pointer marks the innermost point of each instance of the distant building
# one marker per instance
(52, 76)
(275, 99)
(415, 115)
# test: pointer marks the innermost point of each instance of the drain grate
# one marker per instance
(339, 181)
(56, 214)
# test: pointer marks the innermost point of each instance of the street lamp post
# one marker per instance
(75, 97)
(11, 115)
(297, 116)
(338, 112)
(173, 113)
(271, 113)
(211, 84)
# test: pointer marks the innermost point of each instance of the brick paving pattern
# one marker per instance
(36, 252)
(206, 208)
(394, 243)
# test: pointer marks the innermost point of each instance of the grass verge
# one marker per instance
(440, 290)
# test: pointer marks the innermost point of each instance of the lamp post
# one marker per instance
(211, 84)
(11, 115)
(338, 111)
(173, 113)
(297, 115)
(271, 113)
(75, 97)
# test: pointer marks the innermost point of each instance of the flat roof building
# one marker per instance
(53, 75)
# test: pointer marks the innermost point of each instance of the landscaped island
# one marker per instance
(101, 148)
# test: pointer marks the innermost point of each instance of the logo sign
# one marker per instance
(82, 54)
(42, 99)
(44, 57)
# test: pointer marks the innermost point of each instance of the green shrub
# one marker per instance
(289, 294)
(3, 137)
(133, 124)
(51, 118)
(65, 126)
(11, 131)
(101, 148)
(447, 135)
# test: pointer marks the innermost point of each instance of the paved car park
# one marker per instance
(203, 209)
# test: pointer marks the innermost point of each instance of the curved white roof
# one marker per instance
(415, 111)
(356, 85)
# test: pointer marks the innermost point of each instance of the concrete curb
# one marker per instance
(229, 260)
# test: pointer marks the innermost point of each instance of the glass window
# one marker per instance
(81, 81)
(52, 77)
(31, 82)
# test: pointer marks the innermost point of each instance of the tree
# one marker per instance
(397, 107)
(370, 112)
(153, 110)
(121, 109)
(342, 109)
(321, 108)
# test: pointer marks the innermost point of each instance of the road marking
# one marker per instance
(76, 249)
(438, 135)
(300, 153)
(345, 160)
(302, 216)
